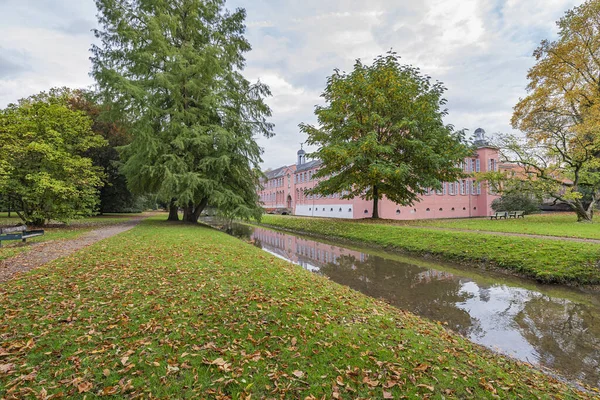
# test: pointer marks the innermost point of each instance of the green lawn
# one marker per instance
(70, 231)
(549, 261)
(175, 311)
(555, 224)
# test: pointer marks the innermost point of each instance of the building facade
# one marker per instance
(284, 192)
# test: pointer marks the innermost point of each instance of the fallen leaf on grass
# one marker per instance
(387, 395)
(431, 388)
(422, 368)
(298, 374)
(85, 387)
(6, 368)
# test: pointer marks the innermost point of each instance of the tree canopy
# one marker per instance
(43, 167)
(560, 154)
(381, 134)
(172, 68)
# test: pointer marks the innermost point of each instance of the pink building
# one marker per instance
(284, 189)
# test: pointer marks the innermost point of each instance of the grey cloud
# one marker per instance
(13, 63)
(79, 26)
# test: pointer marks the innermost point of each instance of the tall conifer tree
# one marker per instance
(173, 69)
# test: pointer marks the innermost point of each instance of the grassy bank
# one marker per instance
(175, 311)
(554, 224)
(549, 261)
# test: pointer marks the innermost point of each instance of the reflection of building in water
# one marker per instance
(307, 253)
(432, 275)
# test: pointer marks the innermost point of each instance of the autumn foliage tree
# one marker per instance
(381, 134)
(560, 154)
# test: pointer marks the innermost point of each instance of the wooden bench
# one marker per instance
(499, 215)
(516, 214)
(18, 233)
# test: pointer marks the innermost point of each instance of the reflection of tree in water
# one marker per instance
(429, 293)
(566, 335)
(239, 230)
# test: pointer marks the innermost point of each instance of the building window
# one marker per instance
(472, 169)
(349, 210)
(397, 212)
(428, 209)
(323, 208)
(444, 188)
(473, 187)
(452, 209)
(451, 187)
(331, 208)
(462, 187)
(366, 211)
(464, 208)
(340, 209)
(477, 165)
(441, 209)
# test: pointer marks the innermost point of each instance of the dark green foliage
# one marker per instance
(115, 196)
(516, 202)
(381, 134)
(44, 170)
(172, 68)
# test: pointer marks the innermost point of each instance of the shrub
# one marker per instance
(516, 202)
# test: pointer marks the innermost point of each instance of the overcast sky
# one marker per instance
(480, 49)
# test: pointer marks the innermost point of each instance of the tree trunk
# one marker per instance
(188, 213)
(191, 213)
(173, 211)
(200, 207)
(583, 214)
(375, 203)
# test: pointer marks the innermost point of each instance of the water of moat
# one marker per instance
(553, 327)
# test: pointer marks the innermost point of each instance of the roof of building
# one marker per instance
(276, 173)
(309, 165)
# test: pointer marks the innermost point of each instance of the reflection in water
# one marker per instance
(555, 332)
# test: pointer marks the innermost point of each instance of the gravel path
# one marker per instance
(44, 252)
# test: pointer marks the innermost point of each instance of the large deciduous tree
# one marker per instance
(43, 169)
(560, 154)
(381, 134)
(173, 69)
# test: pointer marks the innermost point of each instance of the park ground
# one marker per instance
(174, 311)
(550, 248)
